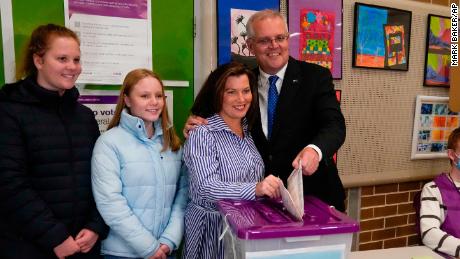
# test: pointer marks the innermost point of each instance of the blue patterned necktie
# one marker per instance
(271, 106)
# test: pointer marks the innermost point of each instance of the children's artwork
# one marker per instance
(232, 17)
(316, 33)
(381, 37)
(394, 54)
(437, 57)
(239, 35)
(433, 123)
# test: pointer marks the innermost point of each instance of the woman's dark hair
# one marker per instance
(209, 99)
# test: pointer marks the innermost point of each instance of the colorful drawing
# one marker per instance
(316, 33)
(394, 45)
(437, 58)
(425, 121)
(381, 37)
(439, 121)
(317, 37)
(238, 20)
(433, 123)
(452, 122)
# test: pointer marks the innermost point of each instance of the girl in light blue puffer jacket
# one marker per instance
(138, 179)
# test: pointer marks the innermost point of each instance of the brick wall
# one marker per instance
(387, 217)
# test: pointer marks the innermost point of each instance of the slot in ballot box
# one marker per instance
(264, 229)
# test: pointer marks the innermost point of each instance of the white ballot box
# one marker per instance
(264, 229)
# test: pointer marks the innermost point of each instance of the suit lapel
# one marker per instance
(288, 91)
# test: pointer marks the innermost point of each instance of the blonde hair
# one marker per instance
(170, 138)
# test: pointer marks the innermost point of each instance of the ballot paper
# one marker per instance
(293, 196)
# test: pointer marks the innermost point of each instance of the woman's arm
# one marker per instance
(431, 218)
(19, 201)
(174, 231)
(201, 158)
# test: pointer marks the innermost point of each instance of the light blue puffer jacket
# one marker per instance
(140, 192)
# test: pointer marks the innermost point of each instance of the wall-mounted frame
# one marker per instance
(437, 51)
(433, 123)
(381, 37)
(316, 33)
(232, 16)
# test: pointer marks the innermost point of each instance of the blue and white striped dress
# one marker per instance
(221, 165)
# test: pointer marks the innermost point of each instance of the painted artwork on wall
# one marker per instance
(433, 123)
(232, 17)
(437, 57)
(316, 33)
(381, 37)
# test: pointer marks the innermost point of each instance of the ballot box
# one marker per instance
(263, 229)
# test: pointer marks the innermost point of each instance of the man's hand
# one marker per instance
(310, 161)
(66, 248)
(269, 186)
(86, 239)
(191, 123)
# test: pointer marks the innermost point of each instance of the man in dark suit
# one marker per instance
(300, 120)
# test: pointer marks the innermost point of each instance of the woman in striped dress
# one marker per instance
(221, 157)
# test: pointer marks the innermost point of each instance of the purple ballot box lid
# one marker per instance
(268, 219)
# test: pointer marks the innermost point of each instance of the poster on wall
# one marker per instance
(381, 37)
(433, 123)
(437, 51)
(232, 17)
(316, 33)
(103, 107)
(116, 37)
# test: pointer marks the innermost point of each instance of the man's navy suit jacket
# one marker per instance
(307, 112)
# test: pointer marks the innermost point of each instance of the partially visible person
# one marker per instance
(139, 182)
(300, 118)
(221, 157)
(47, 139)
(440, 205)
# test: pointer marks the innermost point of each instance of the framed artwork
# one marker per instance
(338, 94)
(437, 51)
(232, 16)
(433, 123)
(381, 37)
(316, 33)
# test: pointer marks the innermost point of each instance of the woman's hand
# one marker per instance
(86, 239)
(270, 186)
(66, 248)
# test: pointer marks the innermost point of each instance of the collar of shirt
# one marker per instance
(263, 79)
(263, 93)
(216, 123)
